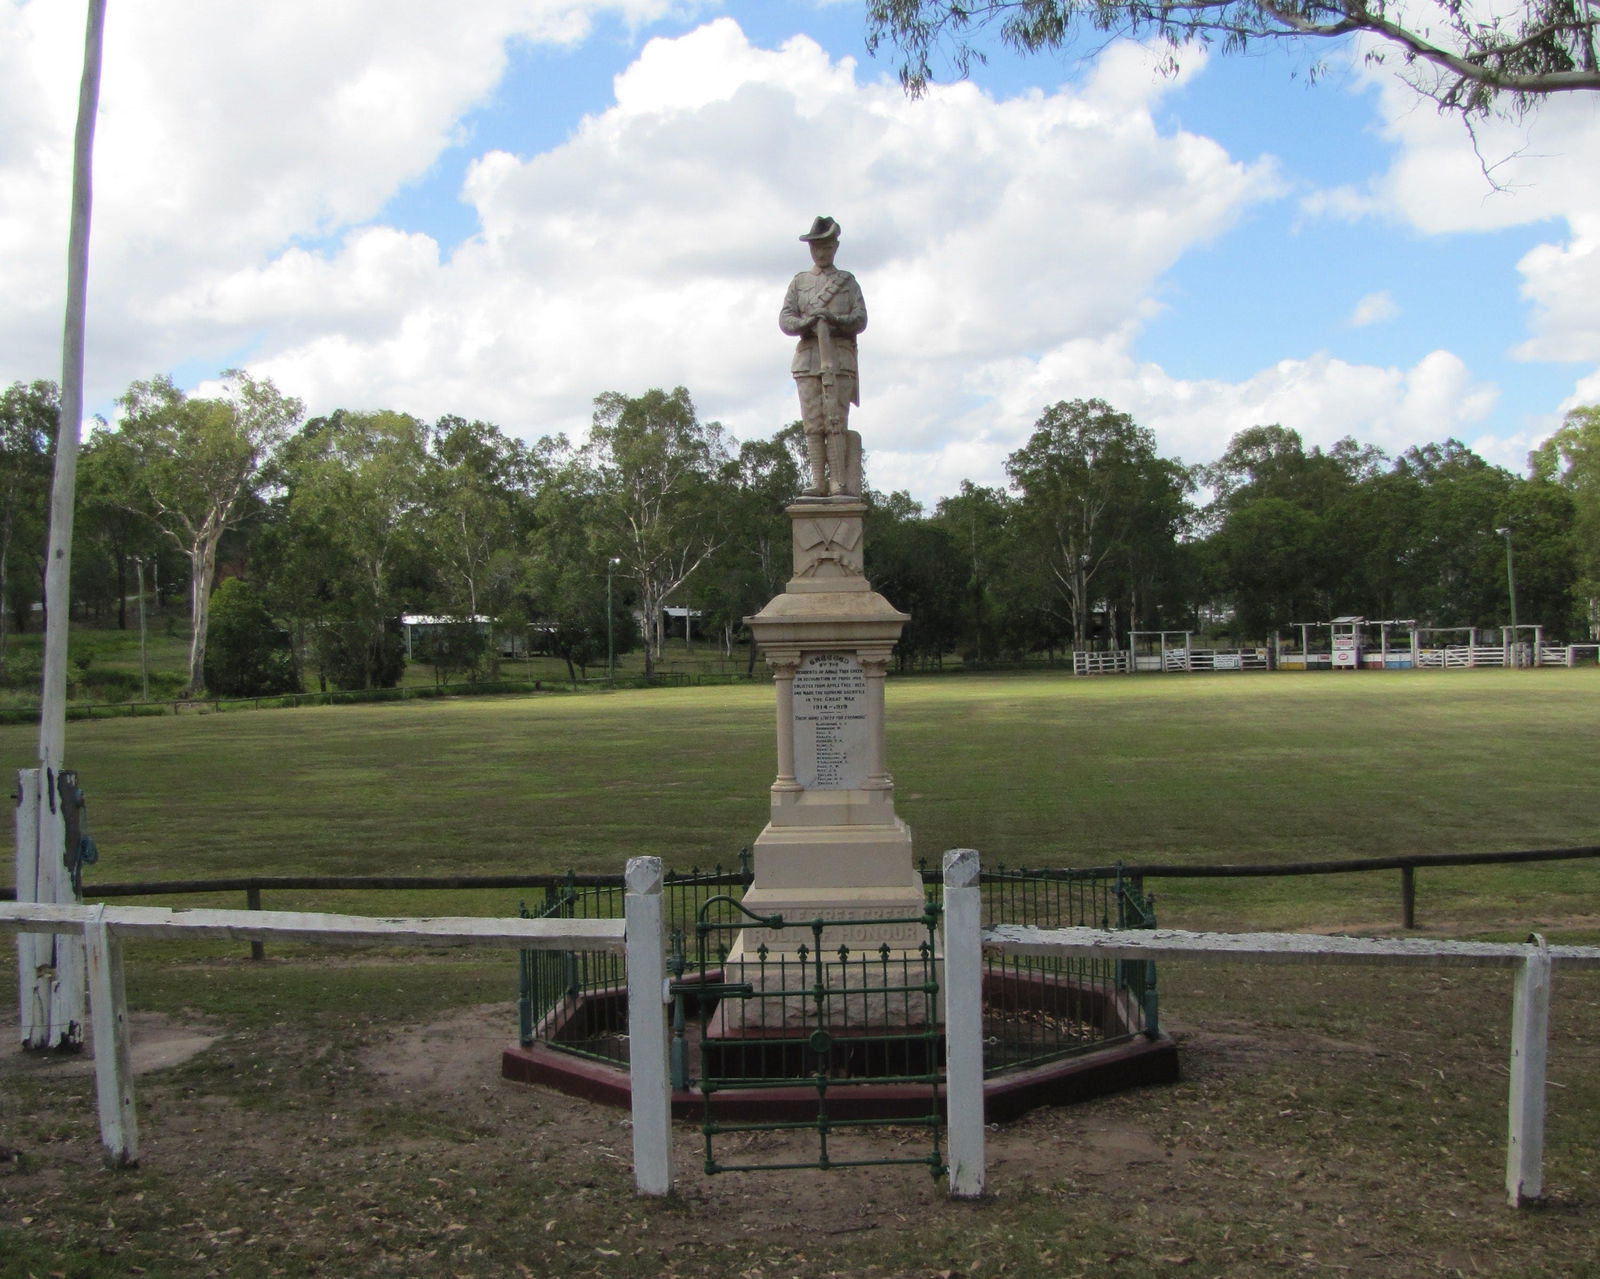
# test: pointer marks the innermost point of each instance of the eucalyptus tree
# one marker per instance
(1272, 561)
(1570, 458)
(1539, 519)
(481, 487)
(1471, 59)
(912, 563)
(192, 465)
(980, 523)
(114, 545)
(574, 597)
(29, 413)
(1093, 492)
(350, 546)
(1281, 538)
(755, 558)
(652, 468)
(1456, 565)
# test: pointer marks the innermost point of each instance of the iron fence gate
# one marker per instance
(817, 1023)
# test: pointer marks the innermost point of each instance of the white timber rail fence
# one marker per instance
(966, 954)
(640, 934)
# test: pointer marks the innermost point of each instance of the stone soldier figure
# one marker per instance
(825, 310)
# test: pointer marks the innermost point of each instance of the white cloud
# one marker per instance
(1563, 283)
(1537, 169)
(1321, 397)
(653, 246)
(1011, 251)
(1375, 308)
(225, 134)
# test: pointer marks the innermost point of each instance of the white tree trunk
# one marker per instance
(203, 563)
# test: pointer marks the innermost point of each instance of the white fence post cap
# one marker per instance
(960, 867)
(643, 875)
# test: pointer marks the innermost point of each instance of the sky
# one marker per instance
(502, 210)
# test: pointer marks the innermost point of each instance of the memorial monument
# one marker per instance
(833, 847)
(848, 988)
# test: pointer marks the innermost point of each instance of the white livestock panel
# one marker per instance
(1568, 654)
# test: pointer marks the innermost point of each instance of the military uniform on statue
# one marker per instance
(825, 310)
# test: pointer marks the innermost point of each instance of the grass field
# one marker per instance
(1331, 1121)
(1030, 770)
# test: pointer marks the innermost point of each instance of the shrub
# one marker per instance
(246, 654)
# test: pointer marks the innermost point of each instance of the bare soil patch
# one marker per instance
(1303, 1139)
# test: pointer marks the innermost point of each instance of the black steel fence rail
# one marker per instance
(1169, 870)
(1407, 864)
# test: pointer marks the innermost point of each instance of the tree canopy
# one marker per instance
(1469, 58)
(325, 535)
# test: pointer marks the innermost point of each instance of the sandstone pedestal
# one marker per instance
(834, 848)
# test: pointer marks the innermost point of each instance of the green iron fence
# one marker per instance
(1039, 1009)
(576, 1001)
(1036, 1009)
(804, 1010)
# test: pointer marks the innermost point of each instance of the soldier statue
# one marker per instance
(825, 310)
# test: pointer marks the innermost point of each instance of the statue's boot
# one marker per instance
(817, 453)
(838, 471)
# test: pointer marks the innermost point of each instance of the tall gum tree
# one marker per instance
(357, 488)
(28, 417)
(655, 468)
(1092, 489)
(1571, 458)
(479, 511)
(192, 466)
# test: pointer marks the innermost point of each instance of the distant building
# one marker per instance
(420, 629)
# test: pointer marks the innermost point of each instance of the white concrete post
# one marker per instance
(113, 1069)
(1530, 1032)
(647, 1027)
(963, 1021)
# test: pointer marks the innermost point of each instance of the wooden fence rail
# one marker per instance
(1532, 961)
(104, 928)
(641, 936)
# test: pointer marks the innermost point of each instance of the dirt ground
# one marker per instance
(407, 1154)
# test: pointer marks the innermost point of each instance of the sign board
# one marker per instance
(831, 732)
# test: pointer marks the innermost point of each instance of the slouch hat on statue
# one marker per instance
(823, 228)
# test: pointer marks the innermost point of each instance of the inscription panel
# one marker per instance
(831, 732)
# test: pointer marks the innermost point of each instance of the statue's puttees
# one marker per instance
(825, 310)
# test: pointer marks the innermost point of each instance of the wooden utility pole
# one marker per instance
(51, 972)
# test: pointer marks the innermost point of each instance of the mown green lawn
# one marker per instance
(1330, 1121)
(1037, 770)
